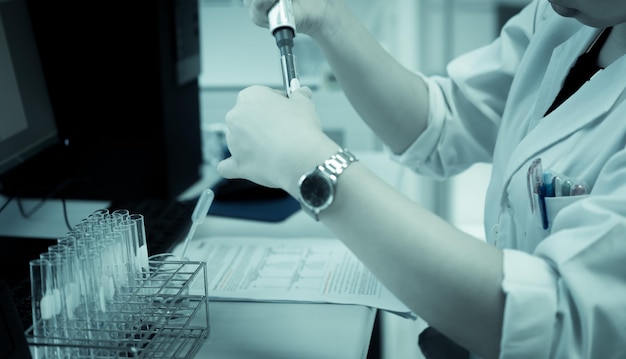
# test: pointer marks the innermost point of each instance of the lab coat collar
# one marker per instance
(589, 103)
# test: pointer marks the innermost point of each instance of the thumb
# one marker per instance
(303, 91)
(227, 168)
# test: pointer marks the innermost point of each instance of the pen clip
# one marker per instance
(530, 183)
(535, 183)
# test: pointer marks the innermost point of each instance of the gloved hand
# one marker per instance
(271, 137)
(310, 15)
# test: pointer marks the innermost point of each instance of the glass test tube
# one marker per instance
(54, 303)
(129, 237)
(66, 248)
(41, 304)
(142, 244)
(70, 321)
(53, 294)
(106, 253)
(119, 266)
(95, 305)
(120, 215)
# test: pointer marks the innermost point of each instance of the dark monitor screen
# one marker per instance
(27, 124)
(119, 83)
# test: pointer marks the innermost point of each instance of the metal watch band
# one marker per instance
(338, 162)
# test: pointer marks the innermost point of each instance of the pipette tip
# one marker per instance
(199, 214)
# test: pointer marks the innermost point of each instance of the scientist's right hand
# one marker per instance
(310, 15)
(273, 139)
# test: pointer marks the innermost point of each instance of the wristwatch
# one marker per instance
(317, 187)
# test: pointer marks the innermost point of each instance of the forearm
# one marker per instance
(448, 278)
(392, 100)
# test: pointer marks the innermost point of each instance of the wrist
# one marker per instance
(318, 187)
(313, 157)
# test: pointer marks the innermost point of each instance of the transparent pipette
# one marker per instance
(199, 214)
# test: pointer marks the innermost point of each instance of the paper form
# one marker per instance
(289, 269)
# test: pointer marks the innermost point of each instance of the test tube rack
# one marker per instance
(169, 312)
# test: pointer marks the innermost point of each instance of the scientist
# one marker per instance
(545, 103)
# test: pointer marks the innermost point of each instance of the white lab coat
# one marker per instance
(565, 286)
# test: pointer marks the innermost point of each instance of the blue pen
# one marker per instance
(540, 190)
(548, 184)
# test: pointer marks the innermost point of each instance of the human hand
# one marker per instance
(310, 15)
(271, 138)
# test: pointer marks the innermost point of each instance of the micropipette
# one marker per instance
(282, 25)
(199, 214)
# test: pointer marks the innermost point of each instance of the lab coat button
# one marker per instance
(495, 230)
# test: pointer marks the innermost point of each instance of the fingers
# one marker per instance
(260, 115)
(303, 91)
(258, 10)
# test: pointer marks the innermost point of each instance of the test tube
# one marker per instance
(142, 244)
(84, 226)
(120, 215)
(119, 265)
(99, 215)
(64, 279)
(129, 239)
(107, 258)
(42, 310)
(54, 302)
(70, 322)
(95, 301)
(84, 312)
(54, 281)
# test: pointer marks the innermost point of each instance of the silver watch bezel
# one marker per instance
(305, 200)
(330, 171)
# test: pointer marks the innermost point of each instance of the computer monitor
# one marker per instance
(27, 127)
(122, 84)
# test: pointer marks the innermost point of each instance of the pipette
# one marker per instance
(282, 25)
(199, 214)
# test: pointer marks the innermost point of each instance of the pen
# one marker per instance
(537, 172)
(566, 187)
(578, 189)
(548, 184)
(557, 183)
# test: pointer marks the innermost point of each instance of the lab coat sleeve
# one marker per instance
(568, 298)
(465, 108)
(528, 281)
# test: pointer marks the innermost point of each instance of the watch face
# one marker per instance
(316, 191)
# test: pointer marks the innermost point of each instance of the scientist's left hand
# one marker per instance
(273, 139)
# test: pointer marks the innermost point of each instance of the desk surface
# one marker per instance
(284, 330)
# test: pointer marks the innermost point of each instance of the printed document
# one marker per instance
(314, 270)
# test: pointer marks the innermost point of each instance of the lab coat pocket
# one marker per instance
(555, 204)
(544, 217)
